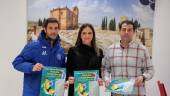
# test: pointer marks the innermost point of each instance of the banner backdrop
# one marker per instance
(104, 15)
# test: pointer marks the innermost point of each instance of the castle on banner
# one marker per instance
(67, 18)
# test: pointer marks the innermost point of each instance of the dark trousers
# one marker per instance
(71, 90)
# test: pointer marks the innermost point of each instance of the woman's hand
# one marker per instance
(66, 85)
(71, 80)
(100, 81)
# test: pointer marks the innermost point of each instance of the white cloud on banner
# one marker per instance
(143, 14)
(40, 3)
(93, 10)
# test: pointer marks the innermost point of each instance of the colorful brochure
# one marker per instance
(52, 81)
(125, 86)
(86, 83)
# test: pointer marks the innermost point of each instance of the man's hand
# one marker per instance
(139, 81)
(107, 82)
(37, 67)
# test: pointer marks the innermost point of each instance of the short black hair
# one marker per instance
(50, 20)
(128, 22)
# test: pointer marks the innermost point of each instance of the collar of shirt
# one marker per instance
(130, 43)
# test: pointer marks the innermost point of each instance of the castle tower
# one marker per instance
(75, 16)
(123, 18)
(68, 19)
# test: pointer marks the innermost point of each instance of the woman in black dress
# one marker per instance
(85, 55)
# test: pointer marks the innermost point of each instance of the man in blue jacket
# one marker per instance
(46, 51)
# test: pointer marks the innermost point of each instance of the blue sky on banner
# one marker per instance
(92, 11)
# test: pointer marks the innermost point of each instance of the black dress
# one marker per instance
(82, 57)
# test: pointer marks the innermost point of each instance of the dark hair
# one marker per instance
(128, 22)
(93, 42)
(50, 20)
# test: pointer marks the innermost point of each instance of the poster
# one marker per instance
(125, 86)
(86, 83)
(52, 81)
(104, 15)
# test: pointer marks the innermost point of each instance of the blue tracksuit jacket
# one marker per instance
(39, 51)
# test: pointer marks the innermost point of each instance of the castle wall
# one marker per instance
(67, 18)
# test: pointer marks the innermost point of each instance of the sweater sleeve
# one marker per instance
(24, 61)
(69, 63)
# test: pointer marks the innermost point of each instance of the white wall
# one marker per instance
(13, 36)
(161, 48)
(12, 39)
